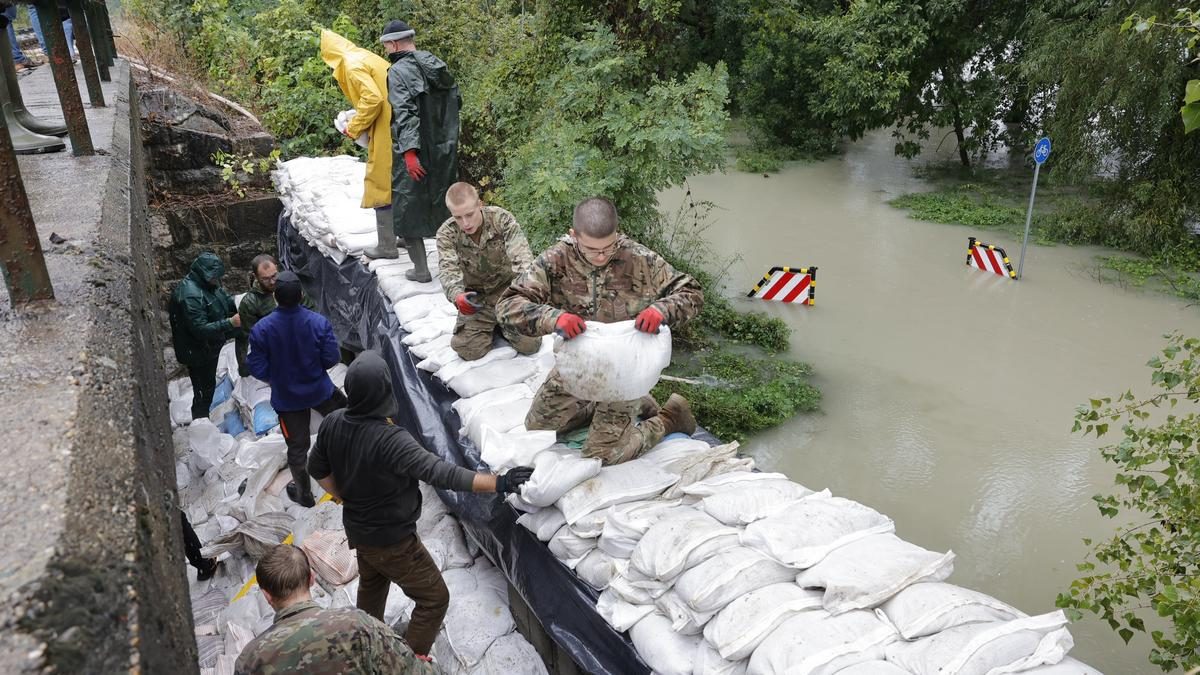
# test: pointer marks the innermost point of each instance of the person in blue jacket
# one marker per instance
(291, 349)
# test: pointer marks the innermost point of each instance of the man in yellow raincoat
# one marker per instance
(362, 76)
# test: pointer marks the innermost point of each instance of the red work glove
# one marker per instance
(466, 303)
(413, 164)
(648, 320)
(569, 326)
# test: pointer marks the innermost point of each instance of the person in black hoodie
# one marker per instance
(374, 467)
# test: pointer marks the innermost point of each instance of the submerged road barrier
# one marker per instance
(989, 258)
(787, 284)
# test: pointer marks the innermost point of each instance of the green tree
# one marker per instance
(1153, 563)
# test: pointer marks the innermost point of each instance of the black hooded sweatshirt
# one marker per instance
(375, 464)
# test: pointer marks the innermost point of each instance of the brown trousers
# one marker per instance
(411, 567)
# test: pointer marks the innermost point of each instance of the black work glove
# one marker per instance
(513, 480)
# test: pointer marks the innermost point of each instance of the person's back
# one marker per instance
(300, 349)
(200, 311)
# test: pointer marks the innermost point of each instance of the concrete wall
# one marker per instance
(112, 593)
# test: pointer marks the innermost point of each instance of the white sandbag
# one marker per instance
(684, 619)
(867, 572)
(619, 613)
(557, 471)
(445, 542)
(664, 650)
(708, 662)
(596, 569)
(678, 542)
(877, 667)
(732, 573)
(208, 445)
(427, 329)
(412, 308)
(439, 358)
(262, 452)
(330, 556)
(804, 532)
(398, 288)
(433, 509)
(725, 481)
(739, 628)
(511, 655)
(237, 637)
(569, 548)
(928, 608)
(255, 536)
(504, 450)
(643, 593)
(987, 648)
(1067, 666)
(717, 461)
(399, 606)
(591, 525)
(674, 453)
(493, 376)
(626, 482)
(178, 388)
(746, 504)
(181, 410)
(473, 622)
(427, 349)
(543, 523)
(452, 371)
(183, 476)
(501, 417)
(818, 643)
(467, 407)
(613, 361)
(624, 524)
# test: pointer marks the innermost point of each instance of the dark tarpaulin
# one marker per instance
(363, 319)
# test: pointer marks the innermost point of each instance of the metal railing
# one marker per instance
(24, 264)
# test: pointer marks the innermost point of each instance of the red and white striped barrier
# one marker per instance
(787, 284)
(989, 258)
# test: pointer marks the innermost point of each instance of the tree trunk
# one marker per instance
(960, 135)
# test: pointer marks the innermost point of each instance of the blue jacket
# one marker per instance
(290, 349)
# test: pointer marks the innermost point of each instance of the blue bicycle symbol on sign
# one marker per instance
(1041, 151)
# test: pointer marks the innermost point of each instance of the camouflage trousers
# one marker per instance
(616, 435)
(473, 336)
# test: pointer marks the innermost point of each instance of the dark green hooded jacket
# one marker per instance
(425, 104)
(200, 311)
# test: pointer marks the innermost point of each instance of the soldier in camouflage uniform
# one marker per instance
(481, 249)
(599, 274)
(308, 639)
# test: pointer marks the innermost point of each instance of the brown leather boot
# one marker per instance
(676, 415)
(649, 407)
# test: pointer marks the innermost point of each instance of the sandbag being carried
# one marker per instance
(738, 628)
(804, 532)
(613, 361)
(928, 608)
(869, 571)
(987, 648)
(818, 643)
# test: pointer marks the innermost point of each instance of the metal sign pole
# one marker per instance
(1041, 152)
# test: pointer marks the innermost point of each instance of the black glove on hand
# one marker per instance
(513, 480)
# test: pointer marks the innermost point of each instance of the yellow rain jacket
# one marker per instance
(362, 75)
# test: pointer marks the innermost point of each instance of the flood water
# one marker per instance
(949, 393)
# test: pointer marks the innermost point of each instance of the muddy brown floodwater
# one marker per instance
(949, 393)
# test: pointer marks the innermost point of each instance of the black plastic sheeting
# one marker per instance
(362, 318)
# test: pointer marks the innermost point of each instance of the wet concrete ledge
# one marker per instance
(91, 568)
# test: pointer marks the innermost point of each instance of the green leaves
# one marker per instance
(1191, 106)
(1153, 564)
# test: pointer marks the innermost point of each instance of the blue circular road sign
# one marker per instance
(1041, 151)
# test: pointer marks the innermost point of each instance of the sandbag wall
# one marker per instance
(706, 565)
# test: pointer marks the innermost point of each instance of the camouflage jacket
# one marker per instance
(561, 280)
(308, 639)
(487, 267)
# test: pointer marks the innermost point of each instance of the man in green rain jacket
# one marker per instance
(202, 319)
(425, 104)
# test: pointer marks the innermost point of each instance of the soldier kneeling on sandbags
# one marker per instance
(599, 274)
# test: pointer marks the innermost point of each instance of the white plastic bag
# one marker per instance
(802, 533)
(867, 572)
(342, 121)
(678, 542)
(818, 643)
(557, 471)
(543, 523)
(738, 628)
(613, 361)
(757, 500)
(732, 573)
(330, 556)
(664, 650)
(626, 482)
(987, 648)
(928, 608)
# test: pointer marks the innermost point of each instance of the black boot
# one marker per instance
(300, 489)
(416, 253)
